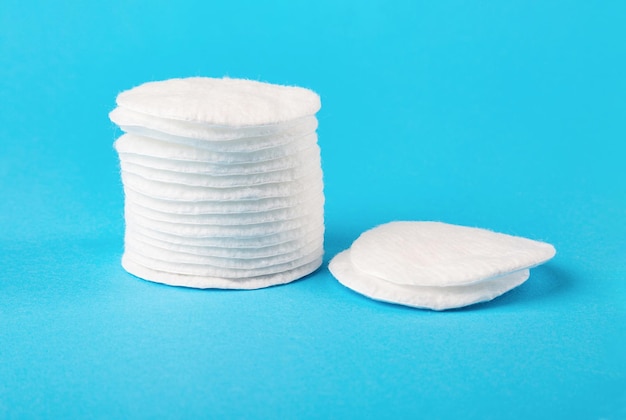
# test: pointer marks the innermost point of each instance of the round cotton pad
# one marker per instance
(219, 169)
(146, 146)
(440, 254)
(437, 298)
(227, 102)
(205, 282)
(211, 136)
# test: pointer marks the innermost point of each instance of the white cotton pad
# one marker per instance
(279, 253)
(205, 282)
(216, 169)
(166, 253)
(441, 255)
(212, 137)
(204, 180)
(260, 205)
(179, 192)
(247, 246)
(437, 298)
(226, 102)
(146, 146)
(223, 231)
(170, 262)
(315, 206)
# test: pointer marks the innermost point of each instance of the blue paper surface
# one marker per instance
(503, 115)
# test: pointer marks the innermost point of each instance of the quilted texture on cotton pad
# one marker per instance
(439, 254)
(205, 282)
(227, 102)
(427, 297)
(211, 136)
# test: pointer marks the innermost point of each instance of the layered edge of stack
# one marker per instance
(223, 182)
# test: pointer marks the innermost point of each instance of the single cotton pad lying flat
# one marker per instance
(440, 254)
(437, 298)
(227, 102)
(211, 136)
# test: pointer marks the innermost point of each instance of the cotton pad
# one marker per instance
(440, 254)
(222, 181)
(218, 169)
(247, 245)
(230, 207)
(226, 102)
(436, 265)
(130, 143)
(206, 282)
(428, 297)
(204, 180)
(212, 136)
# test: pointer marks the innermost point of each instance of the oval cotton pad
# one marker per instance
(440, 255)
(227, 102)
(427, 297)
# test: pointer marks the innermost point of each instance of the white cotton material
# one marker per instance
(166, 253)
(311, 208)
(284, 252)
(222, 181)
(212, 137)
(165, 261)
(426, 297)
(180, 192)
(226, 102)
(247, 245)
(231, 207)
(204, 180)
(223, 231)
(301, 158)
(206, 282)
(146, 146)
(440, 254)
(436, 265)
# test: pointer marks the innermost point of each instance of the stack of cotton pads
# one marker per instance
(223, 182)
(436, 265)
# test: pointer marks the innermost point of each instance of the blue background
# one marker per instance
(504, 115)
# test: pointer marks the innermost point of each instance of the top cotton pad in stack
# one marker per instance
(436, 265)
(223, 182)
